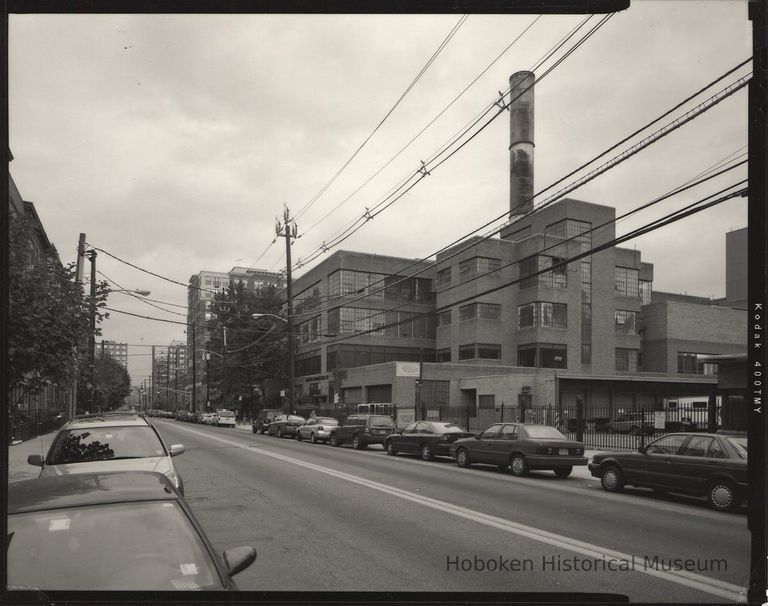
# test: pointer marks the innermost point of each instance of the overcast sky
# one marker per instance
(174, 141)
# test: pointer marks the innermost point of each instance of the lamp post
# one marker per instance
(557, 360)
(208, 354)
(135, 291)
(291, 352)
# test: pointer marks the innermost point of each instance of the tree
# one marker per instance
(257, 354)
(112, 384)
(49, 316)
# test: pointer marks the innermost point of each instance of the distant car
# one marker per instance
(284, 426)
(261, 423)
(109, 442)
(632, 423)
(362, 430)
(316, 429)
(224, 418)
(699, 464)
(426, 438)
(521, 447)
(205, 418)
(111, 531)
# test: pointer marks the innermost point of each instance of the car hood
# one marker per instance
(158, 464)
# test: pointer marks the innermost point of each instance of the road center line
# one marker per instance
(715, 587)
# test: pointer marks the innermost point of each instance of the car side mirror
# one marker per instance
(35, 460)
(238, 559)
(176, 449)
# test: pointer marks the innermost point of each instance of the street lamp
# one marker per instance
(289, 322)
(143, 293)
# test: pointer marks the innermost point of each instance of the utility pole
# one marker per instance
(194, 367)
(176, 375)
(288, 230)
(168, 374)
(79, 279)
(92, 334)
(224, 369)
(152, 379)
(207, 381)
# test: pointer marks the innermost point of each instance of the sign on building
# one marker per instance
(407, 369)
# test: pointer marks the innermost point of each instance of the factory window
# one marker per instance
(627, 359)
(444, 355)
(543, 355)
(627, 282)
(557, 277)
(543, 314)
(478, 265)
(444, 276)
(466, 352)
(444, 318)
(488, 311)
(645, 292)
(626, 322)
(526, 356)
(488, 351)
(688, 363)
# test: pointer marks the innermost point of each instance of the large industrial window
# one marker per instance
(688, 363)
(543, 355)
(466, 352)
(478, 265)
(488, 311)
(626, 322)
(627, 282)
(627, 359)
(645, 292)
(557, 277)
(444, 355)
(482, 351)
(526, 356)
(444, 318)
(444, 276)
(543, 314)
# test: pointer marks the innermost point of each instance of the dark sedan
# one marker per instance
(522, 447)
(285, 425)
(426, 438)
(128, 530)
(699, 464)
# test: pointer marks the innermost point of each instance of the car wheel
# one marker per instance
(462, 458)
(389, 448)
(563, 471)
(722, 495)
(334, 441)
(357, 443)
(519, 465)
(426, 452)
(298, 436)
(611, 479)
(312, 438)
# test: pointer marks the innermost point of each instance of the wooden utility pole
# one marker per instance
(79, 279)
(92, 335)
(288, 230)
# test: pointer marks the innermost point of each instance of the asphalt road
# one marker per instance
(336, 519)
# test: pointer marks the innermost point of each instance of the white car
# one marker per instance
(316, 429)
(224, 418)
(109, 442)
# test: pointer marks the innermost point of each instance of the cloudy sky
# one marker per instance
(174, 141)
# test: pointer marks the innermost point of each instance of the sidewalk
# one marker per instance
(18, 468)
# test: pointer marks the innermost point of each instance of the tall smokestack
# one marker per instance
(521, 143)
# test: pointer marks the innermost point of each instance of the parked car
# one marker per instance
(224, 418)
(427, 438)
(316, 429)
(112, 531)
(633, 423)
(362, 430)
(109, 442)
(522, 447)
(285, 425)
(261, 423)
(206, 418)
(699, 464)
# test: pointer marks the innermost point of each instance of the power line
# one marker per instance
(421, 132)
(423, 70)
(425, 170)
(656, 224)
(135, 296)
(670, 127)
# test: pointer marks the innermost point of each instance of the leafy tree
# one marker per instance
(112, 384)
(49, 315)
(257, 356)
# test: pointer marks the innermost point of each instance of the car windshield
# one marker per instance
(447, 428)
(103, 443)
(377, 421)
(544, 432)
(109, 547)
(740, 446)
(227, 414)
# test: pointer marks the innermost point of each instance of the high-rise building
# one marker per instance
(117, 351)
